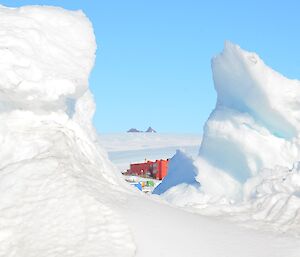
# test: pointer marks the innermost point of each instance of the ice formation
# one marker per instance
(58, 190)
(248, 159)
(255, 124)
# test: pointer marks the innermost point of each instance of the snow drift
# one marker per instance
(247, 163)
(58, 190)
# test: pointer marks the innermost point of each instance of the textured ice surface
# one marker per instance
(58, 190)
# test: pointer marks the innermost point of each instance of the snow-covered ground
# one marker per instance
(126, 148)
(59, 193)
(117, 142)
(161, 230)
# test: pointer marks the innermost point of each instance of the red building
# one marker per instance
(156, 170)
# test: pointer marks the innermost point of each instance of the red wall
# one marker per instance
(139, 168)
(157, 169)
(162, 170)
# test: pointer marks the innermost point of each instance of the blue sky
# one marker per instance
(153, 57)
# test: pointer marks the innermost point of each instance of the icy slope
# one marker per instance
(58, 190)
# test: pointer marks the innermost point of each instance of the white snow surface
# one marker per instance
(120, 142)
(59, 194)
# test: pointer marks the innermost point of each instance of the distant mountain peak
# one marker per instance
(150, 130)
(133, 130)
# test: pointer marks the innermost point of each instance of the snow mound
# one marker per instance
(180, 171)
(255, 124)
(58, 190)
